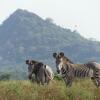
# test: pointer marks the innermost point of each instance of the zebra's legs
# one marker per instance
(96, 77)
(96, 81)
(30, 76)
(68, 82)
(47, 80)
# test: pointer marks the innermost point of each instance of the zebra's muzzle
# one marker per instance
(58, 71)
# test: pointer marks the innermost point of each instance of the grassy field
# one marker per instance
(56, 90)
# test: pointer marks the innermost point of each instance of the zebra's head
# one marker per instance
(39, 67)
(60, 61)
(31, 65)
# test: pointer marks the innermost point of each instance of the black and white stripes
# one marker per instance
(43, 73)
(69, 70)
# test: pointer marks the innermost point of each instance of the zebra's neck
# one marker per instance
(63, 72)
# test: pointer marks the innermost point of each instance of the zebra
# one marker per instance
(69, 70)
(43, 73)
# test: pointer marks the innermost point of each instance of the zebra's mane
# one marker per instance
(85, 66)
(68, 60)
(88, 64)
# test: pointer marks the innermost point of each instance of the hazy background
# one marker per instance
(82, 15)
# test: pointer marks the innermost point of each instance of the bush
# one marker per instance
(5, 76)
(57, 77)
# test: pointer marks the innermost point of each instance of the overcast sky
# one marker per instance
(83, 15)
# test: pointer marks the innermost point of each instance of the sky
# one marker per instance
(80, 15)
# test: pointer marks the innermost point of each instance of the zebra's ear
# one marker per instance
(61, 54)
(70, 61)
(45, 66)
(27, 61)
(54, 55)
(33, 62)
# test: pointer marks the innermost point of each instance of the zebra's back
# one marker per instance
(81, 71)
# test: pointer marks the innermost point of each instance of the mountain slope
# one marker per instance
(25, 35)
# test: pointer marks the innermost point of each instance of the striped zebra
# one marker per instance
(43, 73)
(69, 70)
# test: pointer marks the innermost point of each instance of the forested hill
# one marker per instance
(26, 35)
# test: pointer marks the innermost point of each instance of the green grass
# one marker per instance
(56, 90)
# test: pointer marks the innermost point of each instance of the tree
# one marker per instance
(5, 76)
(49, 20)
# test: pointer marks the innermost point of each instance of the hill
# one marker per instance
(25, 35)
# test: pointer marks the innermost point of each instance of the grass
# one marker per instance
(56, 90)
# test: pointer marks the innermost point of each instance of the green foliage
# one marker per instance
(57, 77)
(5, 76)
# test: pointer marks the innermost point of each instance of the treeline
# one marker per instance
(20, 76)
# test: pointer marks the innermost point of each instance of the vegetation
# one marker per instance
(5, 76)
(25, 35)
(56, 90)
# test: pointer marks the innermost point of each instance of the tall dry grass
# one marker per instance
(56, 90)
